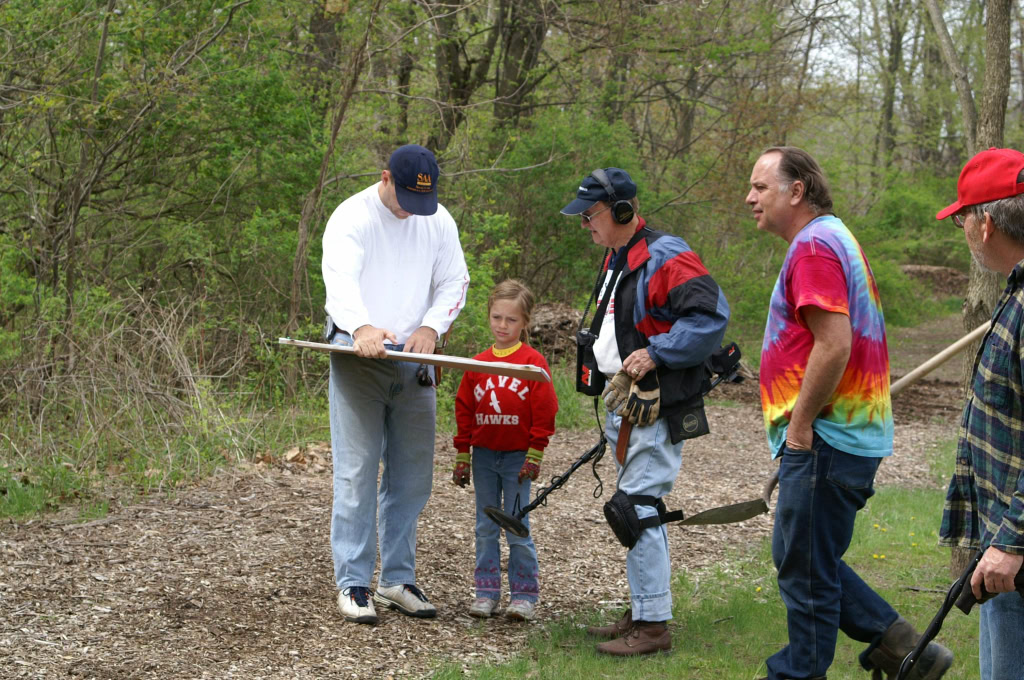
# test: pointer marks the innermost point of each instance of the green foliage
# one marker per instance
(905, 302)
(153, 183)
(901, 227)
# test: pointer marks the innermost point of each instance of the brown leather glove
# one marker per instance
(616, 391)
(643, 405)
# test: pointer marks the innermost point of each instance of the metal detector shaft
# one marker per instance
(933, 628)
(724, 363)
(557, 482)
(514, 523)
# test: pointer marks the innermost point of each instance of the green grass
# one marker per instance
(729, 620)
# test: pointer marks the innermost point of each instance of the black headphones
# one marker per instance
(622, 210)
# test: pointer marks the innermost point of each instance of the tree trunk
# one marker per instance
(523, 27)
(959, 73)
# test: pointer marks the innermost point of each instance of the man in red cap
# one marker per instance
(985, 501)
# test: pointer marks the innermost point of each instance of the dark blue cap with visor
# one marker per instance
(591, 190)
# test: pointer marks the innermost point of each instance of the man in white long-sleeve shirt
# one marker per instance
(396, 279)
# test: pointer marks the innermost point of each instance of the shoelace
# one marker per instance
(416, 591)
(360, 595)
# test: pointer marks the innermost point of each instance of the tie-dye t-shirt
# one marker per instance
(826, 267)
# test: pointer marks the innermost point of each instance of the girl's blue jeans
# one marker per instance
(496, 482)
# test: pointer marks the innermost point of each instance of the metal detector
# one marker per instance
(933, 628)
(724, 364)
(960, 595)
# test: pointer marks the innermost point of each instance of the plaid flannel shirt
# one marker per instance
(985, 501)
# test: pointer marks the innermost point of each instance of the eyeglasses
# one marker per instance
(591, 216)
(959, 220)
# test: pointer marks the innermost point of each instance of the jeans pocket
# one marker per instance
(852, 472)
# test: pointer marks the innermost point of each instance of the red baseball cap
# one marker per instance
(989, 176)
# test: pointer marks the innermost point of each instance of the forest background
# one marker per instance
(167, 168)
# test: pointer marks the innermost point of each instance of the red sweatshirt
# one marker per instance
(502, 413)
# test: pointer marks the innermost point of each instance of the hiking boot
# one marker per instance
(613, 630)
(356, 606)
(519, 610)
(483, 607)
(407, 599)
(897, 641)
(643, 637)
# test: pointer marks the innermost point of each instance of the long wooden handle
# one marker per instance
(937, 360)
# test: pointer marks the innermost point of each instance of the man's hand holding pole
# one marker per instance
(368, 341)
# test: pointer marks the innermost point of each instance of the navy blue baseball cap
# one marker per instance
(414, 171)
(591, 191)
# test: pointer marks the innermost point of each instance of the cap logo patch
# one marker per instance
(423, 183)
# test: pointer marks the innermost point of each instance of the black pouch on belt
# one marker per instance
(620, 511)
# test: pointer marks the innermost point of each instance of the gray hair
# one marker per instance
(1007, 213)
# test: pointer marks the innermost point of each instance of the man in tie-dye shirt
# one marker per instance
(825, 394)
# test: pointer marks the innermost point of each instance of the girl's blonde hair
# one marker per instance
(516, 290)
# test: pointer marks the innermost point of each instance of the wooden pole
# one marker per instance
(937, 360)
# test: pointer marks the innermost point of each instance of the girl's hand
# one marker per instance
(529, 469)
(460, 475)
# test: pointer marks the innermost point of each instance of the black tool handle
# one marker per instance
(933, 628)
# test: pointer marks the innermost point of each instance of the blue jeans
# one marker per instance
(496, 482)
(1001, 639)
(652, 463)
(820, 492)
(379, 414)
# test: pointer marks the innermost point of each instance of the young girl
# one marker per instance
(507, 422)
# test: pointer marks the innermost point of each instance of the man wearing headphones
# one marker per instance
(664, 317)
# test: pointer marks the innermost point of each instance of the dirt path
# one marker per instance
(233, 578)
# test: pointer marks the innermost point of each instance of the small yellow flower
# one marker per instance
(881, 557)
(758, 589)
(875, 556)
(913, 545)
(911, 533)
(884, 529)
(876, 526)
(912, 517)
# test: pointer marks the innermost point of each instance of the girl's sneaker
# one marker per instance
(483, 607)
(519, 610)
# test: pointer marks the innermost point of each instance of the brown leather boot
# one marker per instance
(643, 637)
(897, 641)
(613, 630)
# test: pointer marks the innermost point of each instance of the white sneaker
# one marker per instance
(519, 610)
(356, 606)
(483, 607)
(407, 599)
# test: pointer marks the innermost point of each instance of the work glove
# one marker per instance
(643, 405)
(531, 468)
(461, 471)
(616, 391)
